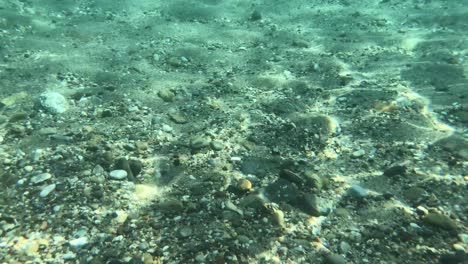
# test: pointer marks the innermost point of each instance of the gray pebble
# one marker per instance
(40, 178)
(46, 190)
(217, 145)
(357, 191)
(345, 247)
(185, 231)
(334, 259)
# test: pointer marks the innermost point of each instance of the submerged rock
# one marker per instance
(54, 102)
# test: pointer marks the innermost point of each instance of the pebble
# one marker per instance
(395, 171)
(40, 178)
(54, 102)
(178, 118)
(69, 255)
(47, 131)
(78, 242)
(46, 190)
(440, 220)
(217, 145)
(357, 191)
(244, 185)
(198, 143)
(166, 95)
(118, 174)
(345, 247)
(185, 231)
(334, 259)
(358, 153)
(166, 128)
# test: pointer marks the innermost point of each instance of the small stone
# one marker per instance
(440, 220)
(166, 95)
(178, 118)
(309, 203)
(300, 43)
(198, 143)
(185, 231)
(342, 212)
(357, 191)
(118, 174)
(233, 217)
(278, 217)
(18, 117)
(334, 259)
(256, 15)
(396, 170)
(244, 185)
(315, 181)
(175, 62)
(232, 207)
(358, 153)
(141, 145)
(54, 102)
(345, 247)
(78, 242)
(69, 255)
(166, 128)
(40, 178)
(47, 131)
(200, 258)
(47, 190)
(415, 195)
(217, 145)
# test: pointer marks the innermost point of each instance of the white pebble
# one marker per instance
(40, 178)
(49, 188)
(54, 102)
(118, 174)
(78, 242)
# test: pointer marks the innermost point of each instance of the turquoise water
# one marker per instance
(218, 131)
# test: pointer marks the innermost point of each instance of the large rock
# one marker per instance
(54, 102)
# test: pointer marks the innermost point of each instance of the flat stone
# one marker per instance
(47, 190)
(334, 259)
(40, 178)
(440, 220)
(118, 174)
(78, 242)
(357, 191)
(54, 102)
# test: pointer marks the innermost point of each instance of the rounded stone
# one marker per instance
(118, 174)
(244, 185)
(334, 259)
(54, 102)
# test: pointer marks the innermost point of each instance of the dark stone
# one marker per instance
(457, 258)
(250, 167)
(309, 204)
(18, 117)
(97, 192)
(397, 170)
(282, 191)
(292, 176)
(135, 167)
(106, 113)
(135, 260)
(256, 15)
